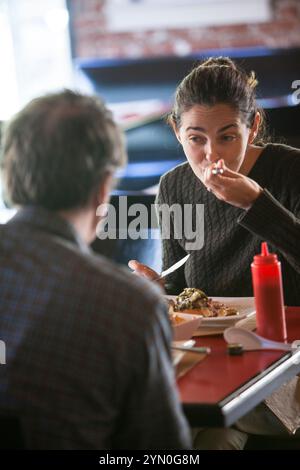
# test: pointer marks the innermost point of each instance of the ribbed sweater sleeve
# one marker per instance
(274, 223)
(171, 250)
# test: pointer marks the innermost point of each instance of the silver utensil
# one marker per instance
(217, 171)
(195, 349)
(173, 268)
(214, 325)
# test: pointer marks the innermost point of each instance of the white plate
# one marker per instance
(178, 355)
(245, 306)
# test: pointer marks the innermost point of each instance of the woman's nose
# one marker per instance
(210, 154)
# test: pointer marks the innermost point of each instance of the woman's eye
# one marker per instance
(197, 139)
(228, 138)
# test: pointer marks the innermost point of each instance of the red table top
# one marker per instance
(220, 374)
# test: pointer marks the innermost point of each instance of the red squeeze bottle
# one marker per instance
(268, 293)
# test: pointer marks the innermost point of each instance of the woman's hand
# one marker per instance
(144, 271)
(230, 186)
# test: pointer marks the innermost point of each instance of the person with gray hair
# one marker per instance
(88, 363)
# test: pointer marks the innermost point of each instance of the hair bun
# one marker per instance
(219, 61)
(252, 80)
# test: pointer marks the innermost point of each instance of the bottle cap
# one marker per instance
(235, 349)
(265, 257)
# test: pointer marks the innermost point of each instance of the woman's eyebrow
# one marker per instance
(196, 128)
(201, 129)
(227, 127)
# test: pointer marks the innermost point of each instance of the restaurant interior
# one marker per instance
(135, 67)
(133, 54)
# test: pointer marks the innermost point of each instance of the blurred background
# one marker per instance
(133, 53)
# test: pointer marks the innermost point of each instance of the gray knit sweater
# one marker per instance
(233, 236)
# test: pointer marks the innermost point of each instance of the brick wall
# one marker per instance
(93, 40)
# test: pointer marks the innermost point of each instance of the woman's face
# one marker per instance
(210, 133)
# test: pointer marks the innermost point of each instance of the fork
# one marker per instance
(201, 350)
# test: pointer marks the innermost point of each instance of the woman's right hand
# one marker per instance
(144, 271)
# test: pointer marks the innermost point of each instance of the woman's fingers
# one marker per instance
(219, 170)
(143, 270)
(133, 264)
(231, 186)
(218, 176)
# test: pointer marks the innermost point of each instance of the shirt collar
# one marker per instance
(51, 223)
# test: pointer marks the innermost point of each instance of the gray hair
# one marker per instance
(58, 148)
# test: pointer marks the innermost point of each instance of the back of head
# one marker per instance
(57, 150)
(217, 80)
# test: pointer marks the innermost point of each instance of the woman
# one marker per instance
(254, 197)
(250, 191)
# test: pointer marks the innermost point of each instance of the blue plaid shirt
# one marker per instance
(87, 345)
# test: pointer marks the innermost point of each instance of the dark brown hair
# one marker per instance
(57, 150)
(214, 81)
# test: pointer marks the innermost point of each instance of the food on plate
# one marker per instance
(195, 301)
(176, 319)
(171, 305)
